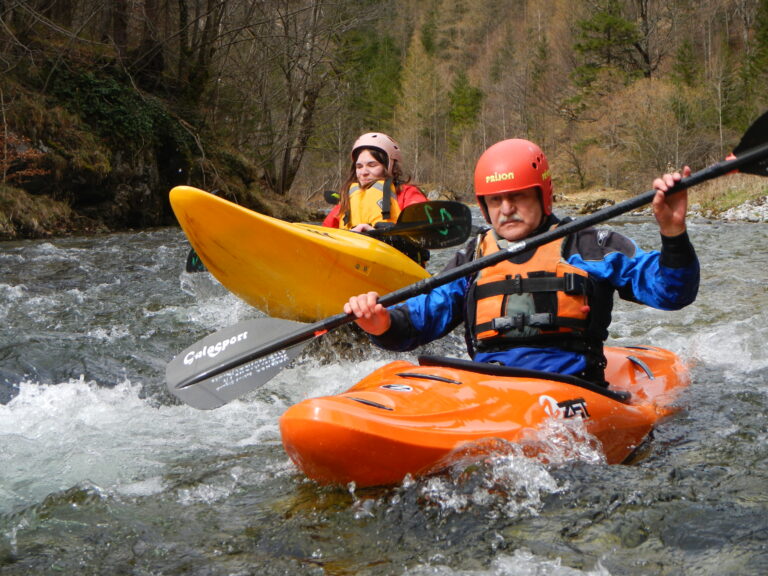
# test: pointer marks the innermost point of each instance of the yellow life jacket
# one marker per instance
(370, 205)
(541, 302)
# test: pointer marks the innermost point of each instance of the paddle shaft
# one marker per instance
(423, 286)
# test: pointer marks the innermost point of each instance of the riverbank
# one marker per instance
(754, 210)
(734, 197)
(28, 216)
(25, 216)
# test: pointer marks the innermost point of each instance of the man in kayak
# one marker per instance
(376, 164)
(547, 308)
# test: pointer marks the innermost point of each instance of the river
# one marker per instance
(102, 472)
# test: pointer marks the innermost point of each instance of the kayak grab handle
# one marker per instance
(369, 403)
(637, 362)
(428, 377)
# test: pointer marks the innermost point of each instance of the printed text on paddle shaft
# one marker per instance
(213, 350)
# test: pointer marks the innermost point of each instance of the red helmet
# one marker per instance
(380, 142)
(512, 165)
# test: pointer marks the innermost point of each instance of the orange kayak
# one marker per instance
(405, 418)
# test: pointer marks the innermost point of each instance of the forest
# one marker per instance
(107, 104)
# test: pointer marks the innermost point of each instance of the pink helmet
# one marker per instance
(512, 165)
(381, 142)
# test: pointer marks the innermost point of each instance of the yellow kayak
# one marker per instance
(293, 271)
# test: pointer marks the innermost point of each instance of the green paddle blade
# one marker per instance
(228, 346)
(194, 264)
(432, 225)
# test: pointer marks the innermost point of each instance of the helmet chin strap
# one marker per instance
(483, 208)
(544, 223)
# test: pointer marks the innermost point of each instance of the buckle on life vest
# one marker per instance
(573, 283)
(519, 321)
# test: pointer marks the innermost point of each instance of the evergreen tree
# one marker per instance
(420, 110)
(759, 67)
(373, 61)
(605, 39)
(684, 69)
(429, 31)
(465, 104)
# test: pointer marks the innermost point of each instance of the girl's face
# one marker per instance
(368, 170)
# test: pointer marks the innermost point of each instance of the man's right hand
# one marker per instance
(371, 316)
(670, 211)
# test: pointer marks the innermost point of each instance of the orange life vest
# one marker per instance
(543, 301)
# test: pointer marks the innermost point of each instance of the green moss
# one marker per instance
(121, 115)
(71, 147)
(233, 165)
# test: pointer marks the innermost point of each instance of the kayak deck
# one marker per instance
(404, 418)
(293, 271)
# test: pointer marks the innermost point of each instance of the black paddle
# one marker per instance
(227, 364)
(331, 197)
(429, 225)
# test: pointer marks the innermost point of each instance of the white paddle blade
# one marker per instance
(186, 373)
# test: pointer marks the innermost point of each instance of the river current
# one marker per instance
(102, 472)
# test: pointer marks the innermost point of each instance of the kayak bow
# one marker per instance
(288, 270)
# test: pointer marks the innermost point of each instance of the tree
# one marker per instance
(420, 111)
(277, 65)
(605, 39)
(653, 21)
(372, 79)
(758, 58)
(263, 86)
(199, 38)
(465, 104)
(760, 52)
(685, 67)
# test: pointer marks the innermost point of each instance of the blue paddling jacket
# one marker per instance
(666, 280)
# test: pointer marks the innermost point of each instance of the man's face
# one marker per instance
(515, 215)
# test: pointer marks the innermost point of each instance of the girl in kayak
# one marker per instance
(376, 168)
(547, 308)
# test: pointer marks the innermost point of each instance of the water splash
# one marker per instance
(54, 436)
(521, 563)
(510, 479)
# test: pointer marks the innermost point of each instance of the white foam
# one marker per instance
(74, 432)
(58, 436)
(521, 563)
(738, 346)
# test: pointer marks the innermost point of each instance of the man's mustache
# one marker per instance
(512, 218)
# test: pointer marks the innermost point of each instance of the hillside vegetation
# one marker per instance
(107, 104)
